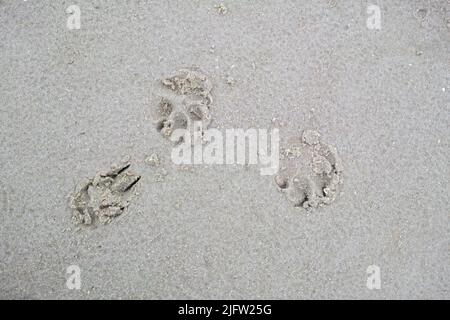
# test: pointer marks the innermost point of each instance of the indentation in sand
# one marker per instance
(187, 100)
(311, 171)
(104, 197)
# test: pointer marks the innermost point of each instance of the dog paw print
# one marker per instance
(104, 197)
(186, 105)
(311, 172)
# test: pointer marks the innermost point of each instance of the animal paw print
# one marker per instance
(187, 104)
(311, 172)
(104, 197)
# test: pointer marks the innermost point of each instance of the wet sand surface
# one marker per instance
(73, 102)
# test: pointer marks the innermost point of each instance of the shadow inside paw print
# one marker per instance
(168, 120)
(104, 197)
(311, 172)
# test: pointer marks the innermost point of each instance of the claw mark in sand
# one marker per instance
(188, 101)
(311, 172)
(104, 197)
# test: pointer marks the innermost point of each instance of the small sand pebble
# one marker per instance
(311, 137)
(222, 9)
(231, 81)
(153, 160)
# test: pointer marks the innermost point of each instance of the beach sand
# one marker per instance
(75, 101)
